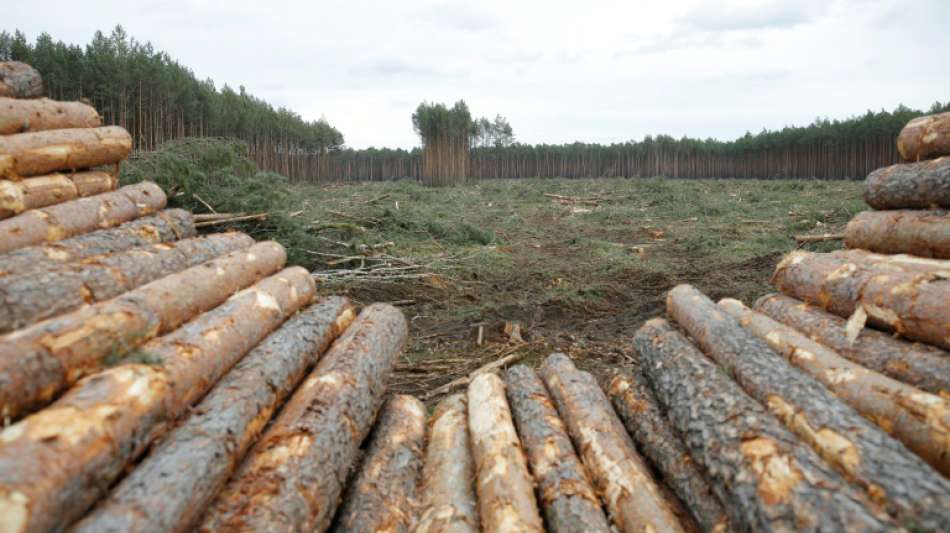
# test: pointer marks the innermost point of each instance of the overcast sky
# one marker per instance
(561, 71)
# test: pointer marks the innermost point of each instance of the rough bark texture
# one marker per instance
(637, 408)
(903, 231)
(564, 488)
(68, 219)
(621, 478)
(171, 487)
(900, 262)
(923, 185)
(925, 137)
(767, 478)
(889, 473)
(31, 297)
(41, 191)
(58, 462)
(42, 152)
(448, 487)
(382, 497)
(506, 500)
(912, 305)
(165, 226)
(19, 80)
(21, 116)
(918, 419)
(39, 362)
(293, 478)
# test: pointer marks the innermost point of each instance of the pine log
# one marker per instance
(564, 487)
(41, 191)
(39, 362)
(924, 185)
(637, 408)
(32, 297)
(57, 463)
(21, 116)
(19, 80)
(37, 153)
(68, 219)
(293, 478)
(891, 475)
(165, 226)
(767, 479)
(914, 306)
(903, 231)
(382, 497)
(448, 494)
(506, 500)
(900, 262)
(621, 478)
(171, 487)
(925, 137)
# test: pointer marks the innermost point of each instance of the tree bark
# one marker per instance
(19, 80)
(637, 408)
(564, 487)
(448, 494)
(621, 478)
(68, 219)
(767, 478)
(885, 469)
(165, 226)
(906, 231)
(924, 185)
(41, 191)
(58, 462)
(293, 478)
(39, 362)
(925, 137)
(22, 116)
(914, 306)
(42, 152)
(171, 488)
(382, 497)
(910, 264)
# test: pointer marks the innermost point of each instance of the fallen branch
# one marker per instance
(573, 200)
(204, 217)
(203, 202)
(506, 357)
(245, 218)
(804, 239)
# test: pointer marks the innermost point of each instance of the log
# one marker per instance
(293, 478)
(637, 408)
(924, 185)
(382, 497)
(621, 478)
(21, 116)
(890, 474)
(914, 306)
(58, 462)
(165, 226)
(32, 297)
(919, 365)
(900, 262)
(906, 231)
(19, 80)
(564, 488)
(506, 500)
(39, 362)
(925, 137)
(448, 494)
(767, 479)
(171, 487)
(41, 191)
(68, 219)
(42, 152)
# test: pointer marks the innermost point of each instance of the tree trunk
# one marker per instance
(622, 480)
(42, 152)
(165, 226)
(22, 116)
(293, 478)
(912, 305)
(768, 479)
(171, 488)
(924, 185)
(19, 80)
(382, 497)
(637, 408)
(925, 137)
(58, 462)
(41, 191)
(564, 488)
(68, 219)
(448, 495)
(910, 264)
(39, 362)
(916, 232)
